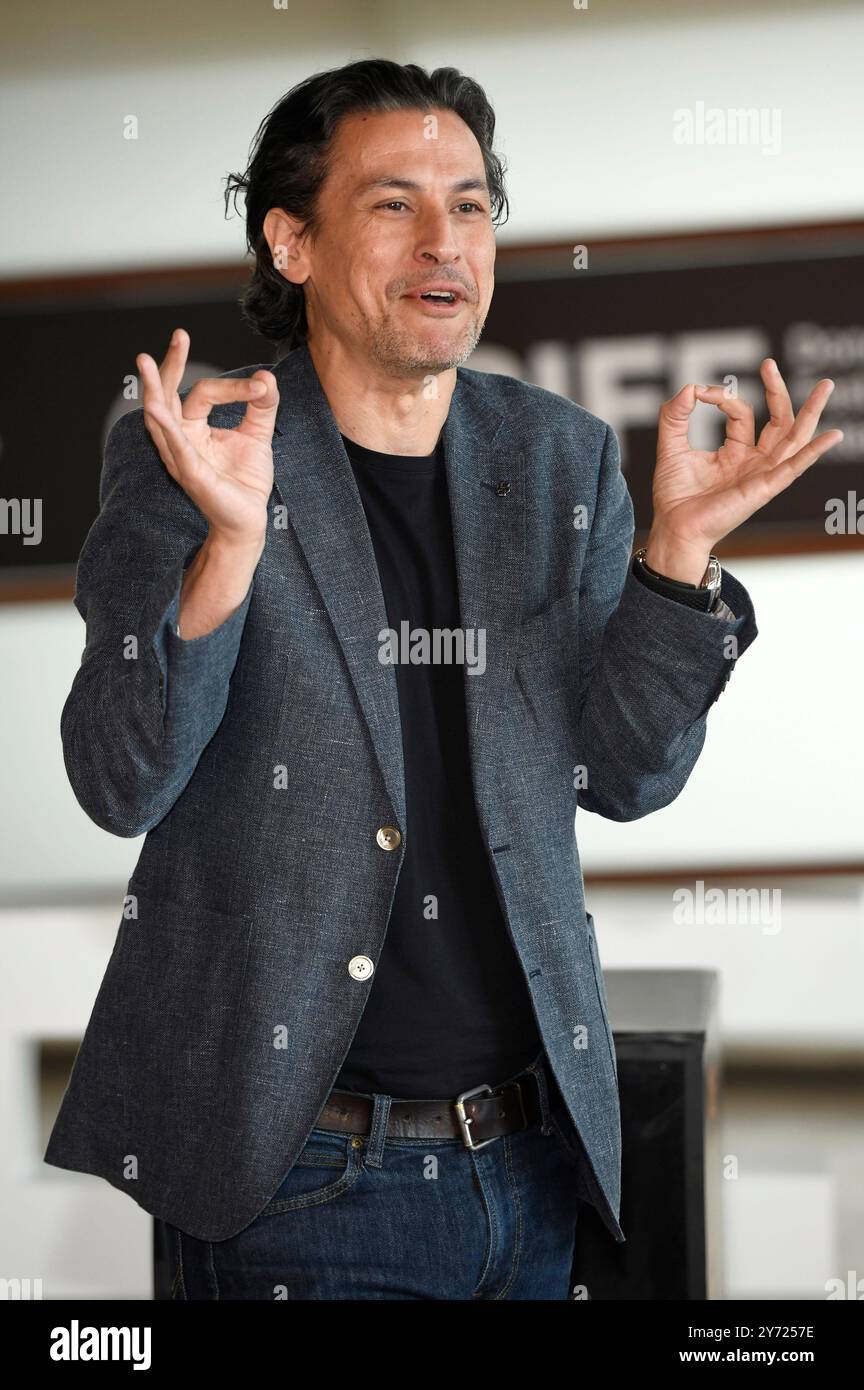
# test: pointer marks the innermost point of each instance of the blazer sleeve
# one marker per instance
(144, 702)
(650, 668)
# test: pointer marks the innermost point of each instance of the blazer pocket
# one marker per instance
(172, 999)
(551, 627)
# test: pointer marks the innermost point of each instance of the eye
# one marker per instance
(398, 203)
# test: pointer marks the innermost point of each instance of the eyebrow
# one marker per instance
(395, 181)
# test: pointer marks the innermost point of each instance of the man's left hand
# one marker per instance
(700, 496)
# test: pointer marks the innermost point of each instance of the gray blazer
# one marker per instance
(263, 758)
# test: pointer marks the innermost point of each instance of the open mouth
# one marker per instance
(439, 302)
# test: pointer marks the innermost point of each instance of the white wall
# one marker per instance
(78, 1234)
(584, 101)
(779, 778)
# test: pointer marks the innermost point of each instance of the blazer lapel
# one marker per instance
(486, 480)
(315, 481)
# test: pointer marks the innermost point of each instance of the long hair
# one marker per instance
(288, 164)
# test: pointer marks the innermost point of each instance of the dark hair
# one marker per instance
(289, 163)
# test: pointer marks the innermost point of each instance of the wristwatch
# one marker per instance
(703, 595)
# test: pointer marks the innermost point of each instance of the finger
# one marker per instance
(152, 384)
(675, 418)
(186, 461)
(260, 418)
(780, 412)
(740, 425)
(173, 365)
(759, 488)
(152, 415)
(214, 390)
(150, 377)
(807, 419)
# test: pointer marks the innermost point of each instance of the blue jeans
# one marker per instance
(367, 1217)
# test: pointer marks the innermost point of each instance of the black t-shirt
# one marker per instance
(448, 1007)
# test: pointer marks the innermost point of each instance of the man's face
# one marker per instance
(404, 206)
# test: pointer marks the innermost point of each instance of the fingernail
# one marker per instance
(830, 386)
(258, 387)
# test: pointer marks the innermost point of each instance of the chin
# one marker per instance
(443, 353)
(431, 352)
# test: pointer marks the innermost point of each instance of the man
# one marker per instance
(352, 667)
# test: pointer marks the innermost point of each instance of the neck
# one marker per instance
(393, 415)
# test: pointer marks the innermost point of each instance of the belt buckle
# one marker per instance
(465, 1120)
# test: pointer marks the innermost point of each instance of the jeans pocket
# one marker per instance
(327, 1166)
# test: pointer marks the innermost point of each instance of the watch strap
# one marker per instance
(693, 595)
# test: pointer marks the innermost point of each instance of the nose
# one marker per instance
(436, 241)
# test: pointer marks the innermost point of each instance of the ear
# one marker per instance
(284, 235)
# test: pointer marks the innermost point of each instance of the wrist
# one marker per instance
(674, 559)
(230, 548)
(215, 584)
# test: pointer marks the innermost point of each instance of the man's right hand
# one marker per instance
(228, 474)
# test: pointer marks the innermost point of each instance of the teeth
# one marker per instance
(438, 294)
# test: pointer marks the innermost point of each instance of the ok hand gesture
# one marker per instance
(700, 496)
(228, 473)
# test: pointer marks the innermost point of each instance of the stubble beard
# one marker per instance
(402, 352)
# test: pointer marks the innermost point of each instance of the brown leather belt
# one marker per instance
(476, 1116)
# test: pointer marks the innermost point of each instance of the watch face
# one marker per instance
(717, 575)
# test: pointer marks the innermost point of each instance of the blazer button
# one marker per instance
(360, 967)
(389, 837)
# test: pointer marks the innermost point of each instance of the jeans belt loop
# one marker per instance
(378, 1131)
